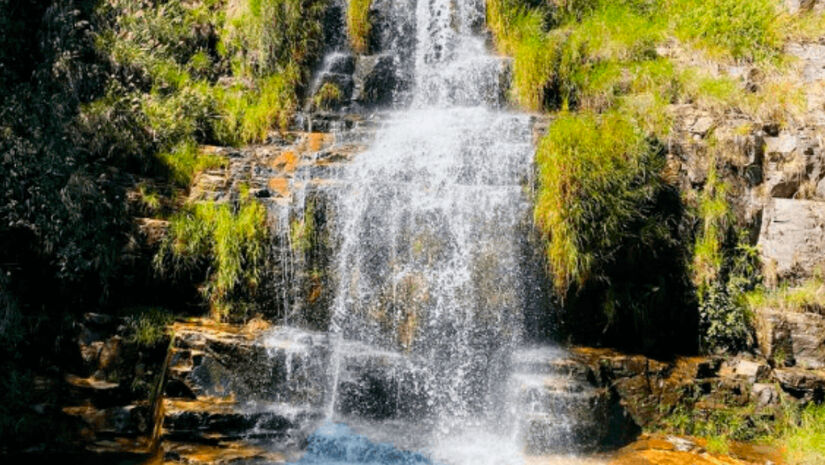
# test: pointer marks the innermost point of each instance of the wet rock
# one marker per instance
(792, 237)
(375, 80)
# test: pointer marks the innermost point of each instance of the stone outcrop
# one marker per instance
(114, 391)
(792, 237)
(791, 338)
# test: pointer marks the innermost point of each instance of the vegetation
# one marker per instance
(804, 436)
(327, 96)
(799, 431)
(809, 296)
(149, 326)
(600, 192)
(229, 239)
(358, 24)
(598, 175)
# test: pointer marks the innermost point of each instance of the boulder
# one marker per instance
(792, 237)
(375, 80)
(801, 383)
(795, 338)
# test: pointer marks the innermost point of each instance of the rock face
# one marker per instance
(112, 393)
(792, 237)
(792, 338)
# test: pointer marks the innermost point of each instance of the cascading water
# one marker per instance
(433, 220)
(433, 271)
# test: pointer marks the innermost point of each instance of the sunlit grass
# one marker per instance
(358, 24)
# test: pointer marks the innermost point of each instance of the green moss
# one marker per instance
(302, 229)
(358, 24)
(596, 173)
(328, 95)
(230, 238)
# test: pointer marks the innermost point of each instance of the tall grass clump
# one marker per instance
(597, 174)
(743, 30)
(185, 160)
(804, 437)
(247, 115)
(358, 24)
(228, 240)
(262, 37)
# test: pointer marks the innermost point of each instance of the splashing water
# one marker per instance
(433, 226)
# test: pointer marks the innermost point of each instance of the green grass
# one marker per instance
(596, 173)
(149, 326)
(186, 160)
(807, 297)
(249, 116)
(358, 24)
(804, 437)
(231, 238)
(742, 30)
(715, 217)
(302, 229)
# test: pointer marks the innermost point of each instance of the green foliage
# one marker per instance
(149, 326)
(807, 297)
(249, 116)
(720, 425)
(263, 37)
(358, 24)
(302, 229)
(231, 239)
(739, 29)
(185, 160)
(598, 174)
(804, 437)
(722, 275)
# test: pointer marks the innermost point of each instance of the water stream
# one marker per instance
(427, 335)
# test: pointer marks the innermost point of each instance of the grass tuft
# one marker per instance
(596, 173)
(358, 24)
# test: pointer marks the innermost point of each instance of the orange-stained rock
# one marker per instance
(319, 140)
(286, 161)
(279, 185)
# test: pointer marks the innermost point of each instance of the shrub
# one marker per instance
(722, 274)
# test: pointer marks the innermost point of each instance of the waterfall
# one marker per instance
(432, 223)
